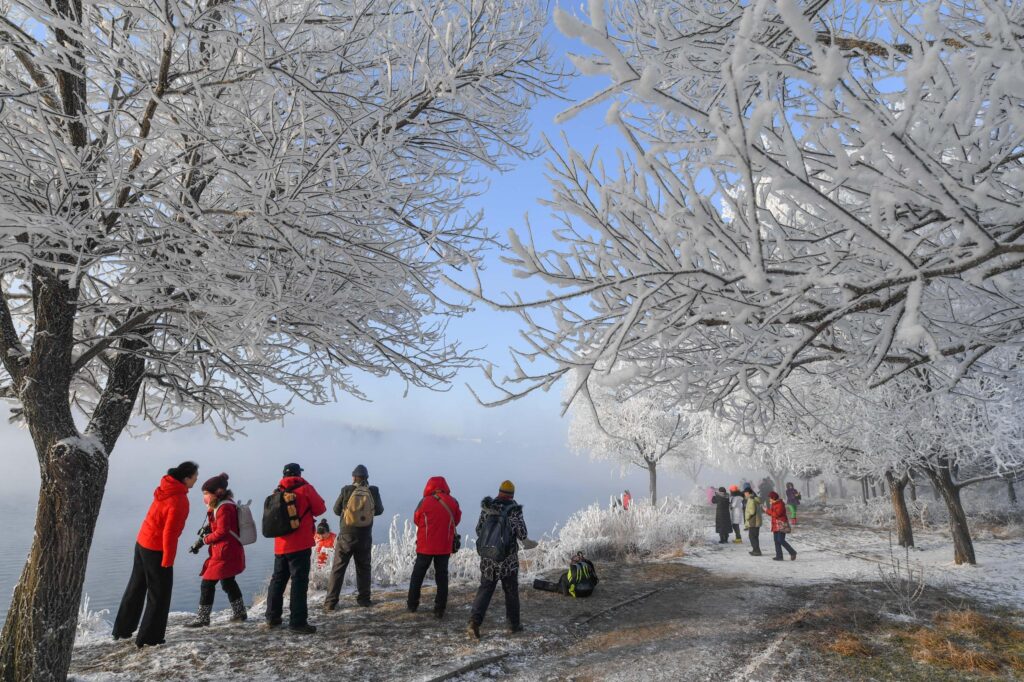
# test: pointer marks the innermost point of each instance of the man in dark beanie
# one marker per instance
(357, 504)
(498, 515)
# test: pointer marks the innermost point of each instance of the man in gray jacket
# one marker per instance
(357, 504)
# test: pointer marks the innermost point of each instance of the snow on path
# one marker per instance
(828, 553)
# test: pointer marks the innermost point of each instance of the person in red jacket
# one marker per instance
(292, 554)
(153, 570)
(780, 526)
(436, 518)
(227, 556)
(324, 540)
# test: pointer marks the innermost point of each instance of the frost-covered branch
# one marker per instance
(800, 187)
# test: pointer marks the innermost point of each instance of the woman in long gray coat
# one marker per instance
(723, 520)
(736, 505)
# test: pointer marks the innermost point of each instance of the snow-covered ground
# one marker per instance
(828, 553)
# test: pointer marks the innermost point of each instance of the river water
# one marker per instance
(551, 483)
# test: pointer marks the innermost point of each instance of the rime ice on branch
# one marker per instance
(208, 209)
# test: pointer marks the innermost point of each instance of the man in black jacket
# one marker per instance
(356, 505)
(505, 571)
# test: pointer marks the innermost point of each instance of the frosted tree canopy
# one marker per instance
(819, 185)
(249, 200)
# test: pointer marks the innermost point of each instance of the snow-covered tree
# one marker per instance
(208, 209)
(644, 431)
(801, 183)
(957, 437)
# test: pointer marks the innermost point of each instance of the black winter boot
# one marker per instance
(202, 617)
(238, 614)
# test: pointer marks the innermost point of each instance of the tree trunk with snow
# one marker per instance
(39, 633)
(904, 530)
(1011, 492)
(652, 477)
(963, 547)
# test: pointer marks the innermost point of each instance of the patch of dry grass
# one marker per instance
(931, 646)
(970, 623)
(848, 644)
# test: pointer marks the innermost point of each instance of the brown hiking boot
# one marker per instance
(473, 630)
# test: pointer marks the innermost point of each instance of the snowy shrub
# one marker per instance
(600, 533)
(877, 513)
(92, 625)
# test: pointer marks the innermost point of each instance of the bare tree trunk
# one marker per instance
(904, 530)
(842, 488)
(963, 547)
(1011, 492)
(652, 476)
(913, 487)
(864, 489)
(39, 633)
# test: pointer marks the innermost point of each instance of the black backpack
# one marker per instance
(494, 541)
(280, 513)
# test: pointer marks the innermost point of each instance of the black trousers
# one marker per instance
(510, 586)
(346, 548)
(755, 538)
(419, 571)
(780, 543)
(149, 585)
(207, 588)
(294, 567)
(736, 529)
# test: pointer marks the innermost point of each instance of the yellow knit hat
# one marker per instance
(507, 487)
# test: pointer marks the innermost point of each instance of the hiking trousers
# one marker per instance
(346, 548)
(150, 585)
(294, 567)
(780, 544)
(755, 538)
(207, 588)
(510, 586)
(419, 572)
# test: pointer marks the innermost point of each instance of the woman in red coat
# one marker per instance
(436, 517)
(780, 526)
(227, 556)
(155, 549)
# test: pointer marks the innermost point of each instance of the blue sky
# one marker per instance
(401, 438)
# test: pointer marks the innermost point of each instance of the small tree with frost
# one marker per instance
(644, 431)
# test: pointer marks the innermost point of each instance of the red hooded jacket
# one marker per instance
(308, 504)
(227, 556)
(777, 510)
(435, 529)
(165, 519)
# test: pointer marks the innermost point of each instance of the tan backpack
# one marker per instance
(360, 508)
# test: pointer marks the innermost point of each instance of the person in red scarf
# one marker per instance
(155, 548)
(227, 556)
(780, 526)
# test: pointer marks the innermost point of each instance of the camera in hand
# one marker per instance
(198, 544)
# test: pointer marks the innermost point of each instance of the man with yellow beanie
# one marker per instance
(498, 532)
